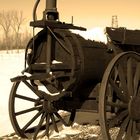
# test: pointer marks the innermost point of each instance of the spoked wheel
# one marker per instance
(30, 111)
(120, 97)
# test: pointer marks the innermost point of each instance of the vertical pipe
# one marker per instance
(48, 49)
(51, 5)
(51, 10)
(52, 14)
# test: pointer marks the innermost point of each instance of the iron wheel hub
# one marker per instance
(48, 107)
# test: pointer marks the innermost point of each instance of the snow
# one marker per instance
(97, 34)
(11, 65)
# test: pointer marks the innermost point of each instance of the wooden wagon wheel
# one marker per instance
(30, 112)
(120, 97)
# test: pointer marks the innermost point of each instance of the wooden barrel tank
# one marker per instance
(81, 63)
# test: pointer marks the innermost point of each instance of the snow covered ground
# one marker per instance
(11, 65)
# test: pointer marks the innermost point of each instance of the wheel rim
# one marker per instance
(119, 97)
(28, 112)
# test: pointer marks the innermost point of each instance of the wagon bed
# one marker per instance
(124, 36)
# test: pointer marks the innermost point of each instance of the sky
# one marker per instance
(86, 13)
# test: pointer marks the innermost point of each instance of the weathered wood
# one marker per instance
(124, 36)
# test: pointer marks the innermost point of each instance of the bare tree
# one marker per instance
(26, 37)
(5, 22)
(17, 21)
(11, 23)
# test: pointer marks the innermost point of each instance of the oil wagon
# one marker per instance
(65, 73)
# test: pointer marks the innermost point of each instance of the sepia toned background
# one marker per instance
(88, 13)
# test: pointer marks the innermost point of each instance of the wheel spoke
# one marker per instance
(46, 132)
(32, 120)
(27, 110)
(129, 130)
(115, 73)
(54, 123)
(118, 91)
(39, 125)
(139, 90)
(123, 128)
(129, 77)
(118, 118)
(25, 98)
(47, 124)
(122, 79)
(134, 134)
(136, 78)
(109, 92)
(33, 89)
(118, 105)
(61, 119)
